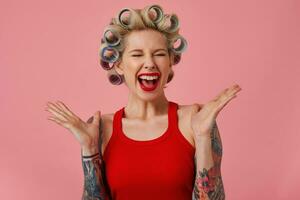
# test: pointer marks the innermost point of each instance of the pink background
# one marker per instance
(49, 51)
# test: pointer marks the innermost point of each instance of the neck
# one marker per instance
(138, 108)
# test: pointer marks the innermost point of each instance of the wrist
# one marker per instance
(202, 136)
(89, 150)
(202, 141)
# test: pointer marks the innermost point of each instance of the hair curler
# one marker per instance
(174, 24)
(106, 65)
(114, 77)
(182, 47)
(109, 54)
(125, 21)
(177, 58)
(170, 23)
(158, 14)
(111, 36)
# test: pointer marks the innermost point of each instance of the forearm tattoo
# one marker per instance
(94, 176)
(208, 182)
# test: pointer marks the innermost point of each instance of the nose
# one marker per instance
(149, 67)
(149, 63)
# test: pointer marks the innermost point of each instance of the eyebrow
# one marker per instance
(142, 50)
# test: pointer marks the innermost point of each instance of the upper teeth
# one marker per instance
(148, 77)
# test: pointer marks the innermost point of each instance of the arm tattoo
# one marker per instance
(95, 186)
(208, 182)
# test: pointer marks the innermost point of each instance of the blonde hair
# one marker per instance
(150, 17)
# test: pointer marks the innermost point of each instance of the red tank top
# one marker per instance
(161, 168)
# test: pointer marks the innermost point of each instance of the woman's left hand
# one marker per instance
(203, 121)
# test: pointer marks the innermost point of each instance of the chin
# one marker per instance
(149, 96)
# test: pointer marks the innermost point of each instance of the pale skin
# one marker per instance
(196, 121)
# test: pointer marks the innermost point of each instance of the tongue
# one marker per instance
(148, 83)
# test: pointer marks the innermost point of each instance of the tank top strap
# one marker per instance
(175, 127)
(117, 120)
(173, 119)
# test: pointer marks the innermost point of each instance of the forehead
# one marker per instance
(145, 39)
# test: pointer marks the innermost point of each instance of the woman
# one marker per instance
(152, 148)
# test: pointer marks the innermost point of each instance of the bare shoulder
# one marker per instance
(190, 108)
(107, 125)
(185, 113)
(107, 118)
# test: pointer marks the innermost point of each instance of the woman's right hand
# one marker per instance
(86, 133)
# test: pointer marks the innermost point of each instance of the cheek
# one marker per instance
(129, 63)
(131, 72)
(133, 65)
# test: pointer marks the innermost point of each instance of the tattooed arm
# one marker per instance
(208, 181)
(95, 186)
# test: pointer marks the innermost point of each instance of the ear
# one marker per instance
(171, 59)
(171, 75)
(118, 67)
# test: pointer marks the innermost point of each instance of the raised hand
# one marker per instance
(203, 121)
(86, 133)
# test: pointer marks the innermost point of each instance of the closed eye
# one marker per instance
(156, 55)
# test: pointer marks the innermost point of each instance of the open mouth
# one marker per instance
(148, 83)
